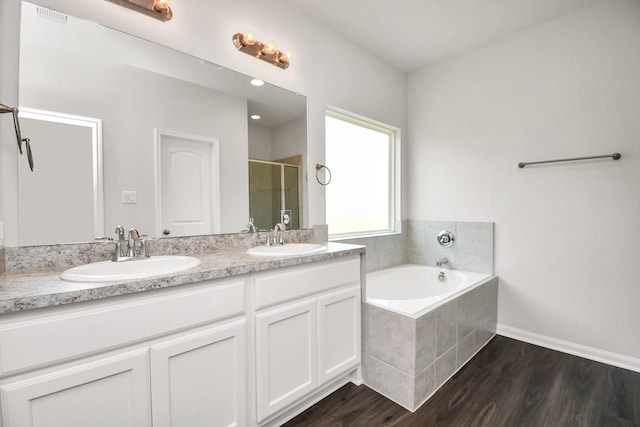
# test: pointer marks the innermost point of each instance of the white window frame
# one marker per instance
(395, 172)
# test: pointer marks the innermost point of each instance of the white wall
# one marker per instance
(286, 139)
(259, 142)
(9, 54)
(278, 143)
(324, 67)
(567, 236)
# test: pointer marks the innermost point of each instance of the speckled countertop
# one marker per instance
(38, 288)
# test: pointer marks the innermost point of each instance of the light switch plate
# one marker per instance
(129, 197)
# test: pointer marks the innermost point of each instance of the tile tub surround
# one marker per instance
(408, 359)
(471, 251)
(417, 244)
(383, 251)
(39, 288)
(71, 254)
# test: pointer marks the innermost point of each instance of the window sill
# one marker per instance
(364, 236)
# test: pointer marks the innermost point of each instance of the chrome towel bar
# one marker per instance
(614, 156)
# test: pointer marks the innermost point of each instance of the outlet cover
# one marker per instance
(285, 216)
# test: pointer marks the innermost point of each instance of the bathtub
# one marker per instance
(413, 290)
(418, 331)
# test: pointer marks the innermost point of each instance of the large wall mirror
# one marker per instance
(177, 141)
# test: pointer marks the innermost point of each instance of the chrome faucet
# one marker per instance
(251, 227)
(276, 236)
(278, 233)
(442, 261)
(130, 248)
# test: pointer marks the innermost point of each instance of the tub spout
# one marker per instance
(442, 261)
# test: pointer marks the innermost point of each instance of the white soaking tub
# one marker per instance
(413, 290)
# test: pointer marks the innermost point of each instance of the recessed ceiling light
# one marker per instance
(256, 116)
(257, 82)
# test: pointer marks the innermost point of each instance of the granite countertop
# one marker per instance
(38, 288)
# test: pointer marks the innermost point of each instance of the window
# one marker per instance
(361, 198)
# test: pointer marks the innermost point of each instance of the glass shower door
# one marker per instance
(273, 189)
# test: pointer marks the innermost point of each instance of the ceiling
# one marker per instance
(411, 34)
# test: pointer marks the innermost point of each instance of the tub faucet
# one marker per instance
(442, 261)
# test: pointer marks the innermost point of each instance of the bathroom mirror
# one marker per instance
(153, 102)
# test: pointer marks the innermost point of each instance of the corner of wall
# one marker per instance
(386, 250)
(321, 232)
(9, 55)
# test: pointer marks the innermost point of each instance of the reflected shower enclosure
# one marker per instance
(274, 188)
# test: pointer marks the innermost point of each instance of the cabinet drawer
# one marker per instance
(297, 282)
(72, 332)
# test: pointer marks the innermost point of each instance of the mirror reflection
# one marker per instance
(175, 136)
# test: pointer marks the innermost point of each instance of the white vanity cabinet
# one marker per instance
(107, 392)
(251, 350)
(307, 331)
(174, 357)
(338, 333)
(200, 379)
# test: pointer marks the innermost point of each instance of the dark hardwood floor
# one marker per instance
(508, 383)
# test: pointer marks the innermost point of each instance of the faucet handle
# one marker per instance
(120, 232)
(134, 234)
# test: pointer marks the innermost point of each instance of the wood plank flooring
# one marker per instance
(508, 383)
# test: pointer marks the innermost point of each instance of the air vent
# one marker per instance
(52, 15)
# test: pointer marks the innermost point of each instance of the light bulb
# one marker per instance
(249, 39)
(257, 82)
(256, 117)
(284, 57)
(269, 48)
(161, 5)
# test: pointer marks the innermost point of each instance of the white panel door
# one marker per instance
(200, 379)
(286, 356)
(338, 333)
(105, 393)
(188, 185)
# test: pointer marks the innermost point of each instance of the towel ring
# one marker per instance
(319, 167)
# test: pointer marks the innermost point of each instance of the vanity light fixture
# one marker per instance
(256, 116)
(248, 44)
(158, 9)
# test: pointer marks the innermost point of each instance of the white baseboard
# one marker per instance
(592, 353)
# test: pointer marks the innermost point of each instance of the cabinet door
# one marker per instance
(200, 379)
(105, 393)
(286, 355)
(338, 333)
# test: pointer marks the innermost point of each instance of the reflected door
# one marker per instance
(61, 200)
(187, 177)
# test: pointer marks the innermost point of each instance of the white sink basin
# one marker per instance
(288, 249)
(106, 271)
